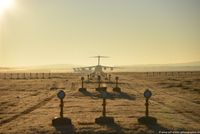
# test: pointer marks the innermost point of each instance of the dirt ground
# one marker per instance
(27, 106)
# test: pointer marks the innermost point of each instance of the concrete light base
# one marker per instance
(116, 89)
(104, 120)
(147, 120)
(101, 89)
(82, 89)
(61, 121)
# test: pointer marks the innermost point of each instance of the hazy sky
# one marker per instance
(40, 32)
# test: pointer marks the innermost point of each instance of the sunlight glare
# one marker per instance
(4, 5)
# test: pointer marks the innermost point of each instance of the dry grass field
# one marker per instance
(27, 106)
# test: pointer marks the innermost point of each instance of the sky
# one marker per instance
(45, 32)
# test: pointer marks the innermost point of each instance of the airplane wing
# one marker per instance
(87, 69)
(108, 67)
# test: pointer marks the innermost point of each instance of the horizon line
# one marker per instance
(140, 64)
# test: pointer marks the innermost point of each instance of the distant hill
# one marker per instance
(189, 66)
(197, 63)
(42, 68)
(51, 68)
(4, 68)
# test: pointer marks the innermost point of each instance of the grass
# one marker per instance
(28, 106)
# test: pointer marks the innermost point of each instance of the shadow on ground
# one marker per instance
(119, 95)
(115, 128)
(112, 96)
(86, 93)
(68, 129)
(156, 128)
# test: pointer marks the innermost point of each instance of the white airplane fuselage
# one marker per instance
(94, 71)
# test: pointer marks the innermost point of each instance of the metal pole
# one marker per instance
(99, 78)
(61, 108)
(104, 107)
(117, 81)
(147, 107)
(82, 83)
(82, 80)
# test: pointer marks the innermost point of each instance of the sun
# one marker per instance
(4, 5)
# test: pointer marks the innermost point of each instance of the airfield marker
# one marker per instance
(61, 121)
(82, 80)
(106, 77)
(82, 89)
(99, 88)
(104, 106)
(147, 95)
(99, 81)
(88, 77)
(61, 96)
(117, 78)
(116, 88)
(104, 119)
(147, 119)
(109, 79)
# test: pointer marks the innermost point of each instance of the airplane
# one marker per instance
(94, 71)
